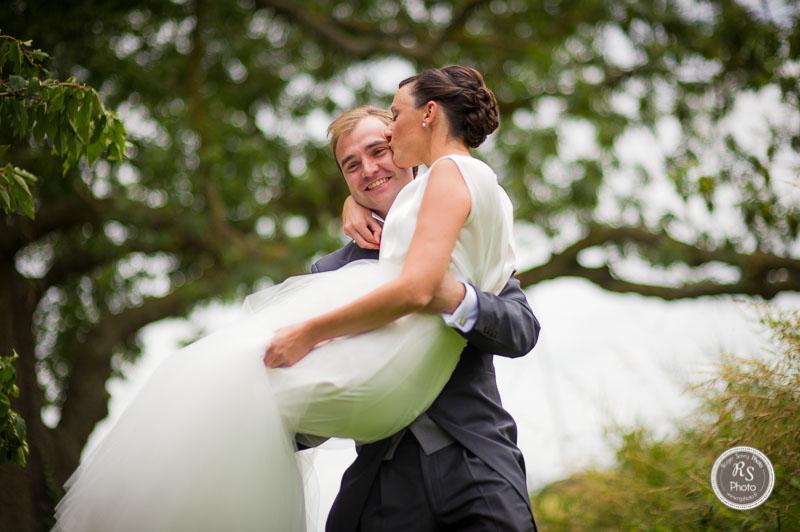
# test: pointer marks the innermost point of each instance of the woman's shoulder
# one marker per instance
(471, 167)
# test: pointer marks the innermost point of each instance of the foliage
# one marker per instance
(13, 446)
(69, 116)
(664, 484)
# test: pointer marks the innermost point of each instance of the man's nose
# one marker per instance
(369, 167)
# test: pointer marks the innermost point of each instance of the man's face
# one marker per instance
(364, 156)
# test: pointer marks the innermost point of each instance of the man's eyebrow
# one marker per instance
(347, 160)
(381, 142)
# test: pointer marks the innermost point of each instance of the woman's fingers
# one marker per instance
(359, 225)
(271, 357)
(362, 234)
(377, 230)
(288, 345)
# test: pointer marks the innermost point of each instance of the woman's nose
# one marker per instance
(387, 133)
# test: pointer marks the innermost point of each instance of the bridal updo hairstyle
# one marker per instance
(469, 105)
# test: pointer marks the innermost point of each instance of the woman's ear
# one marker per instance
(431, 110)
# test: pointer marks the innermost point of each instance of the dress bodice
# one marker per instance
(484, 251)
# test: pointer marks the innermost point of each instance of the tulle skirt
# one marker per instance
(208, 444)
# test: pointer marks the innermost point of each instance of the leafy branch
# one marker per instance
(66, 115)
(13, 446)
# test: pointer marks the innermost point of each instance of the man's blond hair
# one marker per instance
(347, 122)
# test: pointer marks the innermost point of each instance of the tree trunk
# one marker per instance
(27, 495)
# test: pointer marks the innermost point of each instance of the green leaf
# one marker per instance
(33, 86)
(5, 406)
(56, 102)
(13, 56)
(29, 177)
(19, 426)
(7, 206)
(17, 83)
(83, 120)
(20, 179)
(40, 56)
(99, 128)
(4, 53)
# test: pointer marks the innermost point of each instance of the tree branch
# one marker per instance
(345, 36)
(457, 22)
(324, 27)
(762, 274)
(72, 265)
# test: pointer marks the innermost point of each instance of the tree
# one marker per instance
(228, 179)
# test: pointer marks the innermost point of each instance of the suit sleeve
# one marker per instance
(506, 325)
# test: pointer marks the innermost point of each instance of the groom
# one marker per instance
(457, 466)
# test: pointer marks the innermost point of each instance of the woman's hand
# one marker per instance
(289, 345)
(360, 225)
(448, 296)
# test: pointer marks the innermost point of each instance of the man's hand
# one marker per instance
(448, 296)
(289, 345)
(360, 225)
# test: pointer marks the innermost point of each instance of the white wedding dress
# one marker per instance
(208, 444)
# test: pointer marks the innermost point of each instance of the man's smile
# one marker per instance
(377, 183)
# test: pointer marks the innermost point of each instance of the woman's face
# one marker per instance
(406, 135)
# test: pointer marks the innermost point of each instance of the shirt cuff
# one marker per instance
(465, 315)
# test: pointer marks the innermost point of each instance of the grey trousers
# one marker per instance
(451, 489)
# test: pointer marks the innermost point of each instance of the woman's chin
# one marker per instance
(404, 162)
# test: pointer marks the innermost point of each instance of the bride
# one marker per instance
(208, 444)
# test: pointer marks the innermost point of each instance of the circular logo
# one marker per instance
(742, 478)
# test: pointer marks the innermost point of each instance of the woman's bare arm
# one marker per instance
(445, 206)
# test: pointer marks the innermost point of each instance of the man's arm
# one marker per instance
(505, 324)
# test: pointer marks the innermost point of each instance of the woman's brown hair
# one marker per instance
(469, 105)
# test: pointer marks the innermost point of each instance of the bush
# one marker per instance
(664, 484)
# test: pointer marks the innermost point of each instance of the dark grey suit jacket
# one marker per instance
(469, 406)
